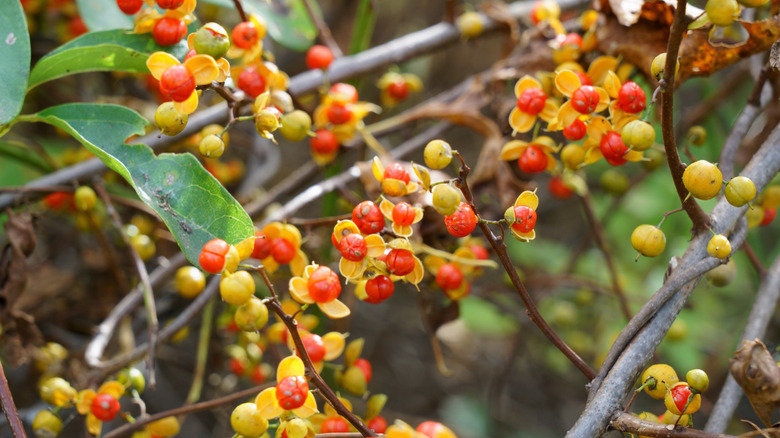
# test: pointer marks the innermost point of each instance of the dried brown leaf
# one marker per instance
(756, 372)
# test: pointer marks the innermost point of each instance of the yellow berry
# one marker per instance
(697, 135)
(754, 216)
(144, 246)
(722, 12)
(698, 379)
(236, 288)
(648, 240)
(85, 198)
(252, 315)
(190, 281)
(445, 199)
(638, 135)
(722, 275)
(295, 125)
(770, 198)
(169, 121)
(664, 377)
(212, 146)
(167, 426)
(437, 154)
(740, 190)
(469, 24)
(703, 179)
(46, 424)
(614, 182)
(719, 246)
(247, 420)
(572, 156)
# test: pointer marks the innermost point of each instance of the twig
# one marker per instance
(316, 379)
(626, 422)
(751, 255)
(240, 10)
(324, 31)
(601, 241)
(146, 285)
(202, 355)
(692, 208)
(757, 323)
(9, 407)
(531, 310)
(127, 429)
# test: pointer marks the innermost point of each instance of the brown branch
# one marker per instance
(692, 208)
(127, 429)
(751, 255)
(9, 407)
(530, 307)
(316, 379)
(630, 423)
(240, 9)
(601, 242)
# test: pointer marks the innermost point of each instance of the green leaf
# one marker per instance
(108, 50)
(103, 15)
(194, 205)
(15, 53)
(485, 318)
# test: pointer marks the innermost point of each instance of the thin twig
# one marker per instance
(531, 310)
(316, 379)
(146, 285)
(601, 242)
(202, 355)
(626, 422)
(326, 36)
(692, 208)
(240, 9)
(751, 255)
(9, 407)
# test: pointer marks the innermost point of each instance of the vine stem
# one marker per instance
(240, 9)
(698, 216)
(530, 307)
(325, 391)
(9, 407)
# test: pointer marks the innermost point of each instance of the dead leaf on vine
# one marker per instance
(699, 57)
(774, 56)
(756, 372)
(629, 12)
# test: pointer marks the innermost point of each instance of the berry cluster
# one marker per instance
(681, 399)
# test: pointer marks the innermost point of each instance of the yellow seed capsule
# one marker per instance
(445, 199)
(469, 24)
(572, 156)
(740, 190)
(190, 281)
(719, 246)
(664, 377)
(169, 121)
(650, 241)
(703, 179)
(437, 154)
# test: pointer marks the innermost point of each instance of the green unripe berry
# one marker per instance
(190, 281)
(671, 418)
(212, 40)
(469, 24)
(648, 240)
(614, 182)
(445, 199)
(85, 198)
(437, 154)
(236, 288)
(638, 135)
(740, 190)
(653, 159)
(212, 146)
(144, 246)
(266, 121)
(722, 12)
(252, 315)
(46, 424)
(697, 379)
(719, 246)
(247, 421)
(722, 275)
(697, 135)
(677, 331)
(132, 378)
(658, 66)
(703, 179)
(295, 125)
(169, 121)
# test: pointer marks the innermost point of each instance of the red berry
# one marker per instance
(631, 98)
(324, 142)
(258, 375)
(323, 285)
(613, 149)
(379, 289)
(403, 214)
(525, 219)
(76, 26)
(318, 57)
(314, 346)
(585, 99)
(680, 394)
(584, 78)
(353, 247)
(449, 276)
(212, 256)
(169, 4)
(177, 83)
(364, 366)
(262, 247)
(462, 222)
(378, 424)
(572, 38)
(237, 366)
(190, 54)
(282, 250)
(334, 425)
(368, 218)
(105, 407)
(129, 7)
(559, 189)
(59, 200)
(531, 100)
(576, 131)
(245, 35)
(431, 429)
(343, 92)
(169, 31)
(769, 216)
(338, 114)
(533, 160)
(251, 82)
(398, 90)
(479, 251)
(396, 171)
(400, 261)
(291, 392)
